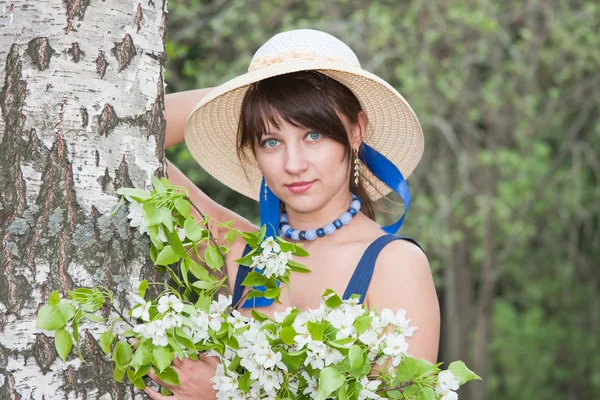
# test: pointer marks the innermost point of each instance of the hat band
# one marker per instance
(297, 55)
(379, 165)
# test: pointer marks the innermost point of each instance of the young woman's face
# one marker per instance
(304, 168)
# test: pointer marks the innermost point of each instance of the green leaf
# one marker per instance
(75, 325)
(291, 317)
(106, 340)
(204, 285)
(297, 267)
(169, 376)
(407, 370)
(137, 382)
(260, 317)
(152, 215)
(183, 207)
(426, 394)
(272, 293)
(167, 256)
(213, 258)
(93, 317)
(158, 185)
(297, 250)
(118, 374)
(342, 393)
(293, 360)
(50, 318)
(255, 293)
(142, 288)
(63, 343)
(54, 298)
(184, 339)
(363, 323)
(356, 358)
(166, 218)
(203, 303)
(254, 279)
(330, 380)
(262, 233)
(137, 194)
(423, 366)
(141, 357)
(334, 301)
(192, 230)
(317, 330)
(122, 354)
(161, 357)
(197, 270)
(460, 370)
(68, 310)
(230, 236)
(175, 243)
(287, 335)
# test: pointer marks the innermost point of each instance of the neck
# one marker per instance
(319, 218)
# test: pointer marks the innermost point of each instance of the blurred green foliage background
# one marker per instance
(506, 200)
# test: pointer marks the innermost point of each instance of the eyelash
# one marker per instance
(264, 143)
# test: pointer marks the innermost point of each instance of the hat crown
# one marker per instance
(306, 42)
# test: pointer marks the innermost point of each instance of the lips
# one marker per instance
(300, 187)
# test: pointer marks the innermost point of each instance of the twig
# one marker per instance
(242, 299)
(398, 387)
(122, 316)
(214, 242)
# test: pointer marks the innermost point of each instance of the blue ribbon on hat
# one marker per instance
(379, 165)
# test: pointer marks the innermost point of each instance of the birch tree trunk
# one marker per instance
(81, 102)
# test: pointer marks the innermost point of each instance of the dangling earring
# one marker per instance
(356, 167)
(266, 190)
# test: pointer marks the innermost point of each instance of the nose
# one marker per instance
(295, 162)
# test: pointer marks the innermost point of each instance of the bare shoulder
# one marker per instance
(402, 256)
(403, 280)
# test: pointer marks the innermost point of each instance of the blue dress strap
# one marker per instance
(242, 273)
(361, 278)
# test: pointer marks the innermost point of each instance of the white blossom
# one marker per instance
(170, 302)
(136, 215)
(447, 382)
(143, 309)
(220, 305)
(369, 388)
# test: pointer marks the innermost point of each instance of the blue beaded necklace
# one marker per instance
(312, 234)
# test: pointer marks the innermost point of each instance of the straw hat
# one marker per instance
(393, 128)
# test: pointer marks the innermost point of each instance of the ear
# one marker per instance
(358, 130)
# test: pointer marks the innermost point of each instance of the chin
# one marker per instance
(304, 203)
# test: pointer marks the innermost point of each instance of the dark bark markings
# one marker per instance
(40, 52)
(124, 52)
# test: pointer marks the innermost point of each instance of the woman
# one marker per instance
(296, 129)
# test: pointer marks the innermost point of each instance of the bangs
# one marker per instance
(302, 99)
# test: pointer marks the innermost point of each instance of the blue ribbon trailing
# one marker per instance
(381, 167)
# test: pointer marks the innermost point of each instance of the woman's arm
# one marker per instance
(403, 280)
(178, 107)
(208, 206)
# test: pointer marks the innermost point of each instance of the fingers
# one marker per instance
(208, 359)
(152, 375)
(154, 395)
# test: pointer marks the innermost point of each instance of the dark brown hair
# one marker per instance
(307, 99)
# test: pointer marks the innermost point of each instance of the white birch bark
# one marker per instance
(81, 102)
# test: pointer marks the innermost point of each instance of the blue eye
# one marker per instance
(314, 136)
(270, 143)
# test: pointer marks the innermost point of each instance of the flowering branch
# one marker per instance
(226, 288)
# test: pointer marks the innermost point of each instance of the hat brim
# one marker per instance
(393, 128)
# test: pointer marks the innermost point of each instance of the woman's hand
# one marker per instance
(194, 379)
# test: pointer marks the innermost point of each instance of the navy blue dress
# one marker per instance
(361, 278)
